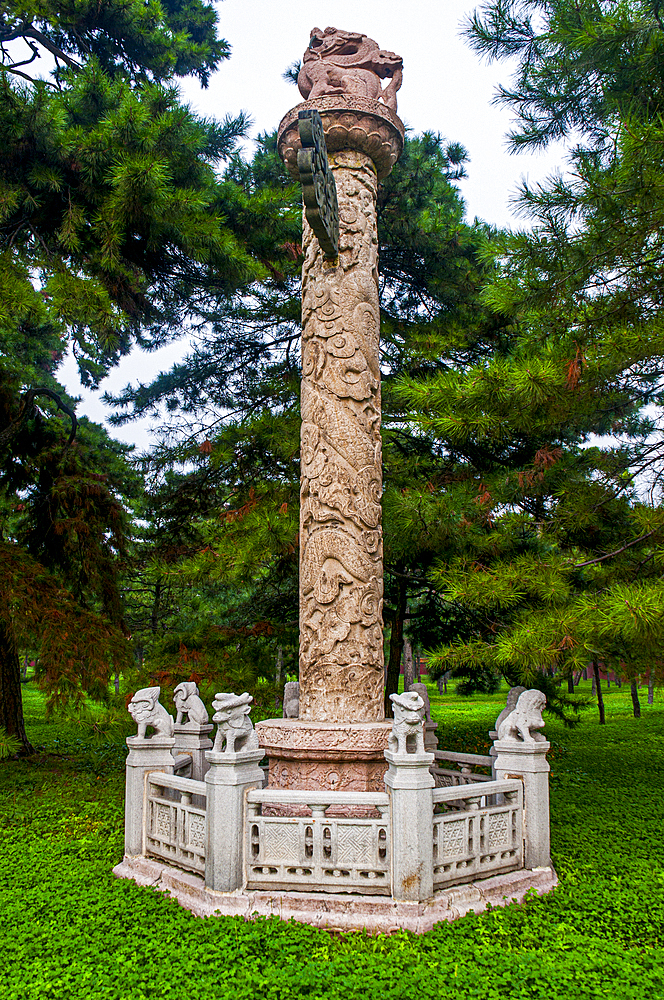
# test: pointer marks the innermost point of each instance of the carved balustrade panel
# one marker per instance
(175, 820)
(318, 853)
(477, 832)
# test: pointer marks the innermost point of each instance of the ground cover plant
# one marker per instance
(70, 930)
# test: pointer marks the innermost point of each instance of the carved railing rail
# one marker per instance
(174, 820)
(477, 832)
(463, 773)
(318, 853)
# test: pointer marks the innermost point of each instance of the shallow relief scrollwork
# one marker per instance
(341, 578)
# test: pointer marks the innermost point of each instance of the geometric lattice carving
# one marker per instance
(355, 845)
(281, 842)
(196, 830)
(162, 825)
(498, 836)
(454, 838)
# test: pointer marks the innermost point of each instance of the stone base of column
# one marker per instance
(343, 756)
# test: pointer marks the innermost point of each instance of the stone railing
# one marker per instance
(463, 773)
(317, 852)
(174, 820)
(475, 835)
(433, 827)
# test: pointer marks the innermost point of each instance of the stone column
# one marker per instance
(145, 755)
(409, 782)
(340, 736)
(229, 776)
(527, 760)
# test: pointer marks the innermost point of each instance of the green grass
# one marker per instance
(71, 930)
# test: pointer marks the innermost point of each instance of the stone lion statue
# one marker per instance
(408, 723)
(146, 710)
(348, 62)
(525, 719)
(291, 700)
(512, 698)
(235, 728)
(188, 702)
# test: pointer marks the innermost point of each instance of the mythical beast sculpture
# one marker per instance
(348, 62)
(188, 702)
(525, 719)
(235, 728)
(408, 723)
(146, 710)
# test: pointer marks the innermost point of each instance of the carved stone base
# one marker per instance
(342, 756)
(374, 914)
(349, 122)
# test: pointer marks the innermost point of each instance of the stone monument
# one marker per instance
(339, 739)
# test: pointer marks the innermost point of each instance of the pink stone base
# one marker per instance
(335, 756)
(375, 914)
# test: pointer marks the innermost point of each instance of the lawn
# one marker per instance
(71, 930)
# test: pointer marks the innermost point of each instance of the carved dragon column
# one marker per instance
(340, 735)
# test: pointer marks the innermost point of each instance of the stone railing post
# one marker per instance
(409, 783)
(521, 753)
(145, 755)
(231, 774)
(195, 742)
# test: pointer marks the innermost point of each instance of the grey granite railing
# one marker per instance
(318, 852)
(477, 832)
(175, 821)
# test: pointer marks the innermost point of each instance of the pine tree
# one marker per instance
(116, 227)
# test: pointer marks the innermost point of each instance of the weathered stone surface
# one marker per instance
(235, 730)
(188, 702)
(408, 725)
(375, 914)
(349, 122)
(144, 756)
(527, 760)
(523, 721)
(291, 703)
(341, 570)
(327, 755)
(348, 62)
(146, 710)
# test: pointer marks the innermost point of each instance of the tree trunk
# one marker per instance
(651, 689)
(570, 684)
(396, 649)
(600, 698)
(408, 665)
(156, 607)
(11, 702)
(279, 665)
(636, 704)
(594, 687)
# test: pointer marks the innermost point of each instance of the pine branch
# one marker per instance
(610, 555)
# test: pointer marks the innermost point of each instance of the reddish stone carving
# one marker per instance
(348, 62)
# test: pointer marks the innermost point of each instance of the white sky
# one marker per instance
(445, 89)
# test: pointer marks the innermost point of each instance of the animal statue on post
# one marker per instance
(408, 725)
(291, 700)
(188, 702)
(525, 719)
(348, 62)
(513, 696)
(235, 728)
(146, 710)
